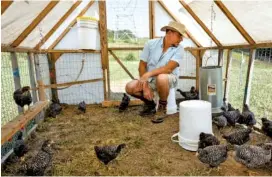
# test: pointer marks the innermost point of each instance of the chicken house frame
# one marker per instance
(39, 48)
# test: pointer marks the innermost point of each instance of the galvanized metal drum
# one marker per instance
(211, 86)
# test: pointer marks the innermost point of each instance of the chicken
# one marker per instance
(41, 161)
(230, 108)
(213, 155)
(19, 147)
(267, 127)
(232, 116)
(220, 121)
(247, 117)
(54, 109)
(252, 156)
(225, 105)
(206, 139)
(108, 153)
(82, 106)
(238, 137)
(267, 146)
(124, 103)
(23, 97)
(191, 95)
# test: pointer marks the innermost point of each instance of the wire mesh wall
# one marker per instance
(72, 67)
(9, 109)
(264, 54)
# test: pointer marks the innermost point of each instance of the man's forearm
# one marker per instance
(161, 70)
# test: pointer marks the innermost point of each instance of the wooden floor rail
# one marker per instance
(9, 129)
(112, 103)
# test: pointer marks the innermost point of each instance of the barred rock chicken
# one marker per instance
(206, 139)
(267, 127)
(191, 95)
(20, 148)
(247, 117)
(239, 136)
(124, 103)
(230, 108)
(252, 156)
(41, 161)
(54, 109)
(23, 97)
(267, 146)
(213, 155)
(108, 153)
(232, 116)
(220, 121)
(82, 106)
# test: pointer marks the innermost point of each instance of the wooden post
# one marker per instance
(16, 74)
(32, 76)
(52, 70)
(39, 77)
(249, 75)
(104, 46)
(198, 59)
(220, 56)
(151, 19)
(227, 75)
(41, 90)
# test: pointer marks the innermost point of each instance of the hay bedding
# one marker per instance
(149, 149)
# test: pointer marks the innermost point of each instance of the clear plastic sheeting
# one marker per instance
(221, 26)
(254, 16)
(18, 17)
(46, 24)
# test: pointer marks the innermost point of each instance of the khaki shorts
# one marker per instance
(172, 79)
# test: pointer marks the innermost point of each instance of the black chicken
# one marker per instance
(108, 153)
(238, 137)
(41, 161)
(19, 147)
(247, 117)
(206, 139)
(225, 105)
(22, 97)
(82, 106)
(230, 108)
(191, 95)
(220, 121)
(232, 116)
(267, 127)
(54, 109)
(124, 103)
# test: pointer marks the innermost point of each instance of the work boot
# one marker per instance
(148, 109)
(161, 113)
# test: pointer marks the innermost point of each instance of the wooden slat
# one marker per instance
(197, 19)
(72, 51)
(53, 45)
(125, 48)
(242, 46)
(72, 83)
(63, 18)
(5, 5)
(176, 19)
(111, 103)
(234, 21)
(34, 23)
(5, 48)
(227, 73)
(220, 56)
(187, 77)
(249, 76)
(121, 64)
(52, 57)
(9, 129)
(151, 19)
(198, 59)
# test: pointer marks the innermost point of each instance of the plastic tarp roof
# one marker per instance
(254, 16)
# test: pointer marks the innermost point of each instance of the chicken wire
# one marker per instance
(72, 67)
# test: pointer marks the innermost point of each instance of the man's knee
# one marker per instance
(130, 87)
(162, 79)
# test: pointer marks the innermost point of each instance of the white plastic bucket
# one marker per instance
(171, 107)
(87, 30)
(195, 116)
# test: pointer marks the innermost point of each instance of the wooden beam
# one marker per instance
(198, 59)
(72, 83)
(249, 76)
(34, 23)
(125, 48)
(32, 76)
(52, 57)
(5, 48)
(197, 19)
(227, 74)
(242, 46)
(220, 56)
(233, 20)
(57, 25)
(121, 64)
(5, 5)
(111, 103)
(187, 77)
(151, 19)
(9, 129)
(16, 74)
(176, 19)
(53, 45)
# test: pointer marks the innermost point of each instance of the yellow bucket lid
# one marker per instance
(87, 18)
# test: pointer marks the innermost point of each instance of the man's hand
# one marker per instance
(144, 77)
(147, 91)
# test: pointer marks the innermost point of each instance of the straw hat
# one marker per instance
(176, 26)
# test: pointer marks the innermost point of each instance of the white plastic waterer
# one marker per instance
(171, 107)
(195, 116)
